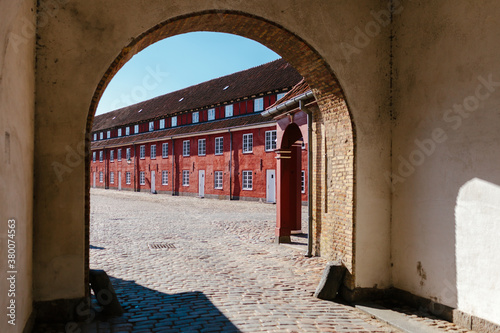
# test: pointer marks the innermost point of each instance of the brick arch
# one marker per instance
(333, 125)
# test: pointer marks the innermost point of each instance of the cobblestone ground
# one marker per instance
(220, 271)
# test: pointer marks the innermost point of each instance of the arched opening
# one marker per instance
(333, 191)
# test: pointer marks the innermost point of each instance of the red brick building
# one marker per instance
(207, 140)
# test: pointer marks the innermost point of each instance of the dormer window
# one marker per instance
(229, 110)
(101, 135)
(119, 132)
(280, 96)
(196, 117)
(151, 126)
(211, 114)
(136, 128)
(174, 121)
(258, 104)
(162, 123)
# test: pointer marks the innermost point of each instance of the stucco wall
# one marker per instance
(17, 82)
(82, 39)
(445, 154)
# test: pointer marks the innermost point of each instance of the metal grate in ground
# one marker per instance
(155, 246)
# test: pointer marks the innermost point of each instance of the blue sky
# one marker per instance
(178, 62)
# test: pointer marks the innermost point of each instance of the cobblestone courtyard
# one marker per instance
(221, 270)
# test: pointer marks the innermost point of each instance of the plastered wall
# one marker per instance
(17, 87)
(446, 165)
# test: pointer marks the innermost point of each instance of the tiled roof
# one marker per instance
(239, 121)
(300, 88)
(272, 76)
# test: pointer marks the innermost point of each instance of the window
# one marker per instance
(101, 135)
(108, 134)
(164, 150)
(185, 177)
(258, 104)
(247, 143)
(100, 176)
(186, 149)
(247, 180)
(219, 146)
(196, 117)
(100, 156)
(127, 177)
(95, 136)
(142, 178)
(229, 110)
(280, 96)
(93, 156)
(303, 182)
(119, 132)
(136, 129)
(211, 114)
(111, 155)
(162, 123)
(128, 153)
(112, 177)
(152, 153)
(218, 180)
(142, 152)
(270, 140)
(202, 147)
(151, 126)
(174, 121)
(127, 130)
(164, 177)
(119, 154)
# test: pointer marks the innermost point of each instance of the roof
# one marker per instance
(300, 88)
(272, 76)
(238, 121)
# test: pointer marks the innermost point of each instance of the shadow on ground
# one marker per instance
(148, 310)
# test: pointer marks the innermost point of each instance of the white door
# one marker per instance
(153, 182)
(119, 180)
(271, 186)
(201, 183)
(93, 185)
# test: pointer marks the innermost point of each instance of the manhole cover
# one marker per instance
(161, 246)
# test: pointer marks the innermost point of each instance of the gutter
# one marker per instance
(285, 106)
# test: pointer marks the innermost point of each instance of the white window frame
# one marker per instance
(101, 156)
(185, 177)
(119, 154)
(219, 146)
(164, 177)
(218, 180)
(127, 130)
(95, 136)
(174, 121)
(94, 156)
(270, 137)
(101, 135)
(152, 152)
(142, 152)
(108, 134)
(195, 117)
(119, 132)
(142, 178)
(164, 150)
(202, 147)
(128, 155)
(136, 129)
(211, 114)
(186, 148)
(101, 176)
(111, 177)
(111, 155)
(151, 126)
(247, 180)
(247, 143)
(228, 110)
(162, 123)
(280, 96)
(303, 182)
(258, 104)
(127, 177)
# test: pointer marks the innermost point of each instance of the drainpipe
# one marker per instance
(135, 161)
(230, 165)
(173, 165)
(309, 177)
